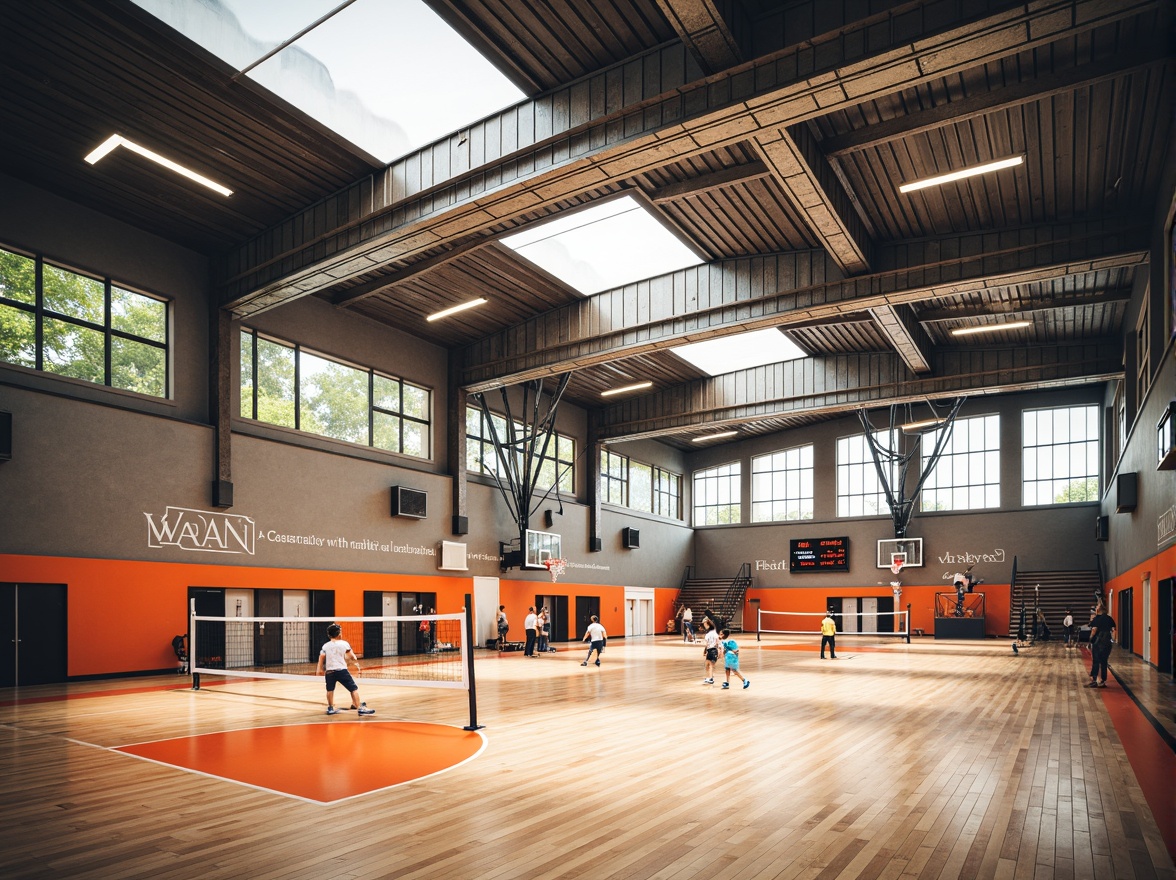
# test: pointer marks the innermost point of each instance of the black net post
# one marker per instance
(469, 637)
(908, 623)
(192, 644)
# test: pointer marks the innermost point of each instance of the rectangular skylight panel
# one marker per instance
(603, 246)
(741, 351)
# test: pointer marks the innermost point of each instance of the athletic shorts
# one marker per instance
(712, 654)
(343, 677)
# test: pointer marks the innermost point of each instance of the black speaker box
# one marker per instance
(222, 493)
(1102, 528)
(461, 525)
(548, 519)
(408, 502)
(631, 538)
(595, 545)
(1127, 493)
(5, 436)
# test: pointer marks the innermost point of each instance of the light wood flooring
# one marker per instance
(933, 760)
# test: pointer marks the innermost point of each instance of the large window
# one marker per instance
(481, 457)
(1060, 459)
(859, 491)
(967, 475)
(82, 326)
(782, 485)
(718, 495)
(283, 384)
(639, 486)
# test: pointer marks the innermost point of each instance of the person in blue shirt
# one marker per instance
(731, 659)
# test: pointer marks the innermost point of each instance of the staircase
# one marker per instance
(724, 596)
(1055, 592)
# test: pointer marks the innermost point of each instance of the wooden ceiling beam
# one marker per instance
(706, 32)
(829, 386)
(361, 292)
(651, 110)
(909, 340)
(696, 186)
(1139, 59)
(733, 296)
(1008, 309)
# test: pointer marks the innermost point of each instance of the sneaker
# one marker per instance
(364, 710)
(597, 662)
(746, 683)
(331, 710)
(1102, 684)
(708, 681)
(1091, 685)
(585, 663)
(726, 685)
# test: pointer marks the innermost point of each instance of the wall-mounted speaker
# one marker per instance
(1127, 492)
(222, 493)
(1102, 528)
(408, 502)
(5, 436)
(452, 557)
(548, 519)
(631, 538)
(461, 525)
(595, 545)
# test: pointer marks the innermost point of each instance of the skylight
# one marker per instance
(741, 351)
(359, 73)
(604, 246)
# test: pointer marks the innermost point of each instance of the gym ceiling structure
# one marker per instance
(771, 138)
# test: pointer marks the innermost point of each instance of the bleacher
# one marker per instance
(1053, 592)
(723, 595)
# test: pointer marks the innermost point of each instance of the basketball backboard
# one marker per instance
(909, 550)
(541, 546)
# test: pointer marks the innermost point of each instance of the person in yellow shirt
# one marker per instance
(828, 634)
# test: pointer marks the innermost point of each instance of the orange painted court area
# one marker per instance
(324, 762)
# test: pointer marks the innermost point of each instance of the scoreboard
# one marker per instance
(818, 554)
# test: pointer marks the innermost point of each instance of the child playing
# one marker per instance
(595, 637)
(334, 659)
(731, 659)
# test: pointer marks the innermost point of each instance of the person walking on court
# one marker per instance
(731, 660)
(531, 626)
(1068, 628)
(503, 627)
(334, 659)
(687, 625)
(829, 635)
(595, 637)
(1102, 636)
(710, 650)
(544, 630)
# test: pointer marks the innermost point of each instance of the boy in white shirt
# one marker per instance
(595, 637)
(710, 650)
(334, 659)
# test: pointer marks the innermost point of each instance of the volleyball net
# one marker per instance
(863, 623)
(420, 650)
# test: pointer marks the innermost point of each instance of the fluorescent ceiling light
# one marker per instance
(117, 140)
(635, 387)
(713, 436)
(990, 328)
(453, 310)
(926, 423)
(742, 351)
(607, 245)
(1009, 162)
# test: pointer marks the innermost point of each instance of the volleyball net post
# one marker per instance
(417, 650)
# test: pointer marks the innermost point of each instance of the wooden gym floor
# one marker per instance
(929, 760)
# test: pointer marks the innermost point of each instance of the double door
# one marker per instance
(33, 634)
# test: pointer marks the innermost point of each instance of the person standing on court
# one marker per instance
(687, 625)
(503, 627)
(544, 629)
(710, 650)
(731, 660)
(1068, 628)
(1102, 636)
(595, 637)
(334, 659)
(531, 625)
(829, 635)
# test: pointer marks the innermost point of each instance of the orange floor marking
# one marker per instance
(324, 762)
(1151, 758)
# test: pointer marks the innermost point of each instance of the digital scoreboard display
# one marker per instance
(818, 554)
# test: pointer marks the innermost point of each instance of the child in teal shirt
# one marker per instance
(731, 659)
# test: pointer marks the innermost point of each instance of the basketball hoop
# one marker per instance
(896, 566)
(555, 567)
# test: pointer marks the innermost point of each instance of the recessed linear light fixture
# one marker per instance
(990, 328)
(445, 313)
(1008, 162)
(638, 386)
(117, 140)
(713, 436)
